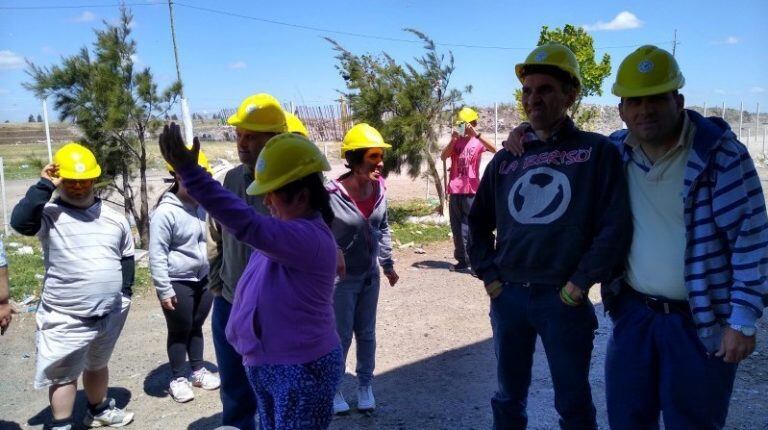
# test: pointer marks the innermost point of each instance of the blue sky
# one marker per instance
(723, 50)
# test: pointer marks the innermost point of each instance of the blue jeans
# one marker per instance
(656, 363)
(297, 396)
(237, 398)
(355, 300)
(520, 314)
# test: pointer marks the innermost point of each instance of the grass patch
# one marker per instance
(25, 271)
(406, 232)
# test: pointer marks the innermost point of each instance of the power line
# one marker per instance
(369, 36)
(82, 6)
(307, 27)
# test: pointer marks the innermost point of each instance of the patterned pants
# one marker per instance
(297, 396)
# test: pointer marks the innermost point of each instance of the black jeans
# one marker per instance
(520, 314)
(185, 325)
(458, 211)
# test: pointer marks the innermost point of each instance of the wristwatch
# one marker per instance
(746, 331)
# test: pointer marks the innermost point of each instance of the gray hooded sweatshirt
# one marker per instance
(177, 247)
(363, 241)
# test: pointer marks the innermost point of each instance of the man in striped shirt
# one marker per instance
(684, 314)
(89, 269)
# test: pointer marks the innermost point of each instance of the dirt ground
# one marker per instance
(435, 364)
(435, 361)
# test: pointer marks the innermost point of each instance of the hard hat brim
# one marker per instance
(236, 121)
(623, 91)
(367, 146)
(520, 69)
(261, 188)
(88, 174)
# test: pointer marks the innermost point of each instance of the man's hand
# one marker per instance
(514, 142)
(341, 266)
(470, 131)
(6, 315)
(169, 304)
(734, 346)
(575, 293)
(51, 173)
(392, 276)
(494, 289)
(173, 149)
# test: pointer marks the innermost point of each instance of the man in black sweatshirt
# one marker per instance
(562, 221)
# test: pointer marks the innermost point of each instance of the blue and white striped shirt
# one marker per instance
(726, 255)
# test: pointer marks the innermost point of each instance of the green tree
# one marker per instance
(407, 103)
(39, 118)
(115, 106)
(31, 118)
(592, 73)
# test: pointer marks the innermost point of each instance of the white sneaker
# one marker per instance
(110, 417)
(204, 379)
(340, 406)
(181, 390)
(365, 399)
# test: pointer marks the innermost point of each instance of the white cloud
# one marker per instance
(238, 65)
(86, 16)
(719, 91)
(732, 40)
(757, 90)
(4, 91)
(10, 60)
(623, 21)
(135, 58)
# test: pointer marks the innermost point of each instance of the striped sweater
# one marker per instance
(726, 255)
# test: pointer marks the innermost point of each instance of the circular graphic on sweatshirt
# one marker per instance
(540, 196)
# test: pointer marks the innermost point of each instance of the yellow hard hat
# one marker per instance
(467, 115)
(647, 71)
(260, 112)
(75, 161)
(295, 125)
(362, 136)
(285, 158)
(202, 160)
(554, 55)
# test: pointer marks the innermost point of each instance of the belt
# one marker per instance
(660, 304)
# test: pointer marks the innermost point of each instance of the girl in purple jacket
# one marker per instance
(282, 320)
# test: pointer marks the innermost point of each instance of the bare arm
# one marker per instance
(448, 150)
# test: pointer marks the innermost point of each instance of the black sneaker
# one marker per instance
(459, 267)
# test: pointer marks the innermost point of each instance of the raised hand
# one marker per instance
(173, 149)
(51, 173)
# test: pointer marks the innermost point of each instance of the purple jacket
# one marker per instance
(283, 307)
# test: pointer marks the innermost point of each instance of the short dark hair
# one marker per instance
(354, 158)
(567, 81)
(319, 199)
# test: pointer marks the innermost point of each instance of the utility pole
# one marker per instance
(186, 117)
(674, 44)
(175, 49)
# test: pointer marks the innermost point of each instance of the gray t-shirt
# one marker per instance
(82, 251)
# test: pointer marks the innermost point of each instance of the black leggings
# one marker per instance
(185, 325)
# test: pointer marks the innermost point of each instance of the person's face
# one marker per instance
(373, 163)
(544, 101)
(250, 144)
(281, 208)
(652, 119)
(77, 191)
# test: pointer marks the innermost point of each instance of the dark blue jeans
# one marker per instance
(237, 397)
(520, 314)
(656, 363)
